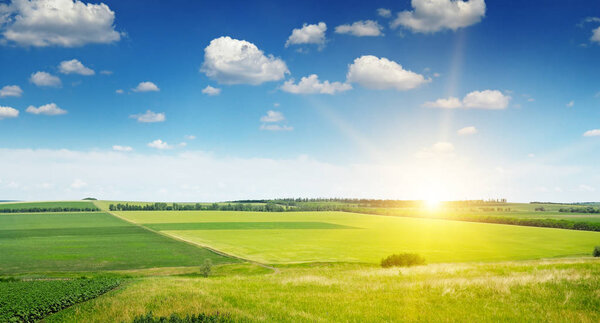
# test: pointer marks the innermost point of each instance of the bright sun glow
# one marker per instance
(432, 203)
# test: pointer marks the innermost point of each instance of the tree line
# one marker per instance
(588, 209)
(48, 209)
(267, 207)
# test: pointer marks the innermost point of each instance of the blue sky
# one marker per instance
(519, 78)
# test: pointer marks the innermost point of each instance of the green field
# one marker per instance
(361, 238)
(87, 241)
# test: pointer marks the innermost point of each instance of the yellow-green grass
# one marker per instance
(364, 238)
(533, 291)
(52, 242)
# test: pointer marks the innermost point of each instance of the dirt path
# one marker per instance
(195, 244)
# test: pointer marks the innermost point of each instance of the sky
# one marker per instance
(210, 101)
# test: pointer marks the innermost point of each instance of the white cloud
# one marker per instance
(106, 72)
(486, 99)
(272, 116)
(435, 15)
(122, 148)
(8, 112)
(149, 117)
(146, 87)
(466, 131)
(530, 155)
(385, 13)
(10, 90)
(75, 67)
(361, 28)
(44, 79)
(78, 184)
(380, 73)
(159, 144)
(50, 109)
(592, 133)
(232, 61)
(275, 127)
(595, 35)
(308, 34)
(209, 90)
(311, 85)
(438, 150)
(570, 104)
(189, 137)
(119, 91)
(64, 23)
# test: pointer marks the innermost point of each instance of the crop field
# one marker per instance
(291, 237)
(87, 241)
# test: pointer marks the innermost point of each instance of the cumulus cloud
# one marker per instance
(10, 90)
(312, 85)
(50, 109)
(122, 148)
(487, 99)
(595, 35)
(361, 28)
(272, 116)
(380, 73)
(45, 79)
(592, 133)
(75, 67)
(146, 87)
(149, 117)
(385, 13)
(65, 23)
(308, 34)
(159, 144)
(209, 90)
(435, 15)
(233, 61)
(8, 112)
(466, 131)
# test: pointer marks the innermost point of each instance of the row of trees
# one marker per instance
(588, 209)
(267, 207)
(48, 209)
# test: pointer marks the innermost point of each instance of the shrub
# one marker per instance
(206, 268)
(596, 251)
(402, 260)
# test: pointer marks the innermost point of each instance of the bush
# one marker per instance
(596, 251)
(402, 260)
(174, 318)
(206, 268)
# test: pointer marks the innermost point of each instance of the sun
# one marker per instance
(432, 203)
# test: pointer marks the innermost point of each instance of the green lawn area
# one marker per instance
(54, 242)
(369, 239)
(68, 204)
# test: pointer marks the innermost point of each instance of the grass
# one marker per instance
(88, 242)
(552, 291)
(68, 204)
(370, 239)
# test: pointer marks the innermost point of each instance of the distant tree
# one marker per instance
(206, 268)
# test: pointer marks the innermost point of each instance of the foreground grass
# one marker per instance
(88, 241)
(349, 237)
(550, 290)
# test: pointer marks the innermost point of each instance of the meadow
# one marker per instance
(350, 237)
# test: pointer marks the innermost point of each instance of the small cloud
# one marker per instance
(209, 90)
(78, 184)
(592, 133)
(361, 29)
(381, 73)
(182, 144)
(487, 99)
(439, 149)
(119, 91)
(10, 90)
(106, 72)
(312, 85)
(189, 137)
(146, 87)
(272, 116)
(570, 104)
(308, 34)
(437, 74)
(466, 131)
(159, 144)
(149, 117)
(275, 127)
(530, 100)
(74, 67)
(276, 104)
(8, 112)
(50, 109)
(45, 79)
(122, 148)
(430, 16)
(385, 13)
(531, 155)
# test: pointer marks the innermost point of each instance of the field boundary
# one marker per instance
(195, 244)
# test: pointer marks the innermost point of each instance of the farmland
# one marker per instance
(299, 266)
